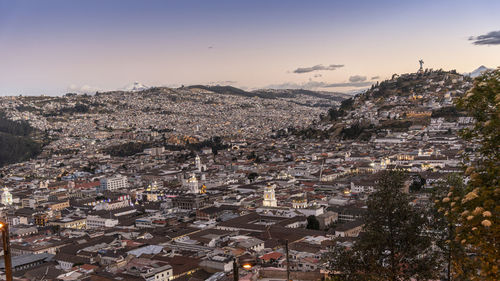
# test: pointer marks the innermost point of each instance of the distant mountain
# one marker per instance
(272, 93)
(224, 90)
(135, 87)
(478, 71)
(294, 93)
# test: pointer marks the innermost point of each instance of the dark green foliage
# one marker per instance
(15, 141)
(417, 184)
(310, 133)
(15, 149)
(395, 125)
(78, 108)
(312, 223)
(394, 244)
(450, 113)
(252, 176)
(357, 131)
(17, 128)
(334, 114)
(347, 104)
(131, 148)
(127, 149)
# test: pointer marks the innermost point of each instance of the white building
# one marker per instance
(220, 262)
(6, 197)
(114, 183)
(197, 162)
(158, 271)
(98, 222)
(192, 184)
(269, 196)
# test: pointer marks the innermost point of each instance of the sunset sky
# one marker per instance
(53, 47)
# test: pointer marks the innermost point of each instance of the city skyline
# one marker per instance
(56, 47)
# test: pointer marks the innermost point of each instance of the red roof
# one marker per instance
(273, 255)
(87, 185)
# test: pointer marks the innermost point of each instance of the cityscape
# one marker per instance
(389, 173)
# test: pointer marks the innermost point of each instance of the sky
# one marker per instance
(57, 46)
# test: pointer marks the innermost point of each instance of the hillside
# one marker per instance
(177, 116)
(16, 143)
(395, 105)
(272, 93)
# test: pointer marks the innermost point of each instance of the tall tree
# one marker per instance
(451, 254)
(394, 244)
(478, 225)
(312, 223)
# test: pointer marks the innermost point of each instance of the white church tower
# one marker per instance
(192, 184)
(6, 197)
(197, 162)
(269, 196)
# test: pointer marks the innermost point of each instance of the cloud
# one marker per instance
(317, 68)
(375, 77)
(310, 85)
(291, 85)
(84, 89)
(348, 84)
(491, 38)
(357, 78)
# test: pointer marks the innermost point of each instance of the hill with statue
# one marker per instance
(404, 102)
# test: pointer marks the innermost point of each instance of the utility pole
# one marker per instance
(287, 262)
(6, 251)
(236, 274)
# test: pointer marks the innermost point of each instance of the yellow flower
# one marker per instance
(486, 223)
(470, 196)
(486, 214)
(470, 218)
(456, 198)
(474, 228)
(465, 213)
(446, 199)
(436, 201)
(477, 210)
(452, 204)
(449, 194)
(463, 241)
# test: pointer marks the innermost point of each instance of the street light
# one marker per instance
(247, 266)
(247, 262)
(6, 251)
